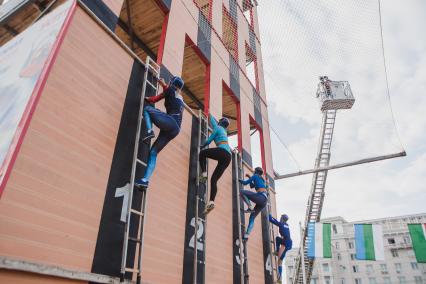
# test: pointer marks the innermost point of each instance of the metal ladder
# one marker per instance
(274, 258)
(150, 67)
(243, 245)
(316, 199)
(203, 128)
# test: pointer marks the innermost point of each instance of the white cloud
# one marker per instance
(341, 39)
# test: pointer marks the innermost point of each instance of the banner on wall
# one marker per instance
(22, 62)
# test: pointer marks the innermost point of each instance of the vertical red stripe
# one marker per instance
(32, 103)
(162, 40)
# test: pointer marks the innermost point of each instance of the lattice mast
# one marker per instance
(332, 95)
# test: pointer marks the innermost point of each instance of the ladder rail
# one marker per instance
(123, 268)
(304, 265)
(243, 245)
(240, 238)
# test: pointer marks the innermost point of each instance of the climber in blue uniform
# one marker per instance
(221, 153)
(283, 243)
(260, 197)
(168, 123)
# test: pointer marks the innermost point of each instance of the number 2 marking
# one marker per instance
(200, 233)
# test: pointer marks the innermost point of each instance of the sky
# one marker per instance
(304, 39)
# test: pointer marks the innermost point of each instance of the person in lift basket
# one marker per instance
(169, 123)
(283, 243)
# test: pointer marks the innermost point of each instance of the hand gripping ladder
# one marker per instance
(200, 199)
(243, 247)
(153, 68)
(316, 199)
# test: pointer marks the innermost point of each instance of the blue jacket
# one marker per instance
(284, 230)
(255, 182)
(219, 135)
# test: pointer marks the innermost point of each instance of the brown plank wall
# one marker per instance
(51, 206)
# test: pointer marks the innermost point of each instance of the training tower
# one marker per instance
(332, 95)
(77, 73)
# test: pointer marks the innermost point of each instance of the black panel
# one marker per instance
(234, 77)
(257, 108)
(233, 10)
(103, 12)
(266, 241)
(252, 39)
(188, 255)
(236, 186)
(247, 158)
(204, 36)
(271, 181)
(108, 251)
(165, 73)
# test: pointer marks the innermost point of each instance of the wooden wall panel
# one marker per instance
(219, 243)
(51, 206)
(7, 276)
(165, 225)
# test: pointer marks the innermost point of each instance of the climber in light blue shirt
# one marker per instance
(222, 154)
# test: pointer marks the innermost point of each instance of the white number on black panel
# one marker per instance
(268, 264)
(200, 232)
(241, 249)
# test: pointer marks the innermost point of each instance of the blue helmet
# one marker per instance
(284, 218)
(177, 82)
(258, 170)
(224, 122)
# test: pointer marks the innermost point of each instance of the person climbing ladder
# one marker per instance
(222, 154)
(260, 197)
(283, 243)
(169, 123)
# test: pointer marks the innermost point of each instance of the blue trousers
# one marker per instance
(279, 242)
(259, 199)
(169, 129)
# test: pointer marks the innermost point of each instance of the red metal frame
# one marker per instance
(162, 39)
(34, 99)
(238, 108)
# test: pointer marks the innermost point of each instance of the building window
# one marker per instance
(350, 245)
(358, 281)
(290, 269)
(398, 267)
(407, 240)
(247, 11)
(418, 280)
(352, 256)
(414, 266)
(355, 268)
(314, 281)
(337, 245)
(325, 267)
(386, 280)
(384, 268)
(391, 241)
(372, 280)
(401, 279)
(339, 257)
(229, 33)
(342, 281)
(342, 267)
(369, 268)
(394, 252)
(334, 229)
(251, 66)
(327, 280)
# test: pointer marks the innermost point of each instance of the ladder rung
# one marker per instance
(134, 270)
(151, 84)
(136, 212)
(141, 162)
(135, 240)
